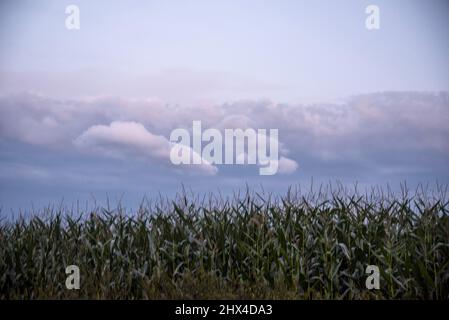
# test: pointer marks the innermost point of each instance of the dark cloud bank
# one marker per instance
(53, 149)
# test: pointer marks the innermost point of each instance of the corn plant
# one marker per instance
(312, 245)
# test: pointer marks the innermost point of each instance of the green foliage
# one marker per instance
(300, 246)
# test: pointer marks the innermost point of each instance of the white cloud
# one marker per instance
(132, 139)
(132, 135)
(287, 166)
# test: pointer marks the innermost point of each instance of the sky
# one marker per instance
(87, 113)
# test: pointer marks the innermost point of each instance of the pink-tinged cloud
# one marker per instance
(131, 140)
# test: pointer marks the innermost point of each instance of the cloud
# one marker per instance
(131, 140)
(132, 135)
(169, 84)
(287, 166)
(372, 132)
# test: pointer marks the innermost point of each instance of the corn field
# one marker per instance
(303, 245)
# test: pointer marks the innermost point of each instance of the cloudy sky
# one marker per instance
(88, 113)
